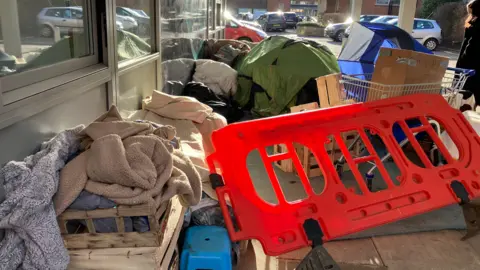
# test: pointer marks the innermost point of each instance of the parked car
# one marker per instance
(71, 19)
(427, 32)
(337, 31)
(143, 20)
(252, 24)
(234, 29)
(128, 23)
(375, 19)
(272, 21)
(292, 19)
(384, 19)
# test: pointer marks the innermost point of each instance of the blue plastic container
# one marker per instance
(206, 247)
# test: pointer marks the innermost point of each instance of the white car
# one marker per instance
(379, 19)
(128, 23)
(427, 32)
(71, 19)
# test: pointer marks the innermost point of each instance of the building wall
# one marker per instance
(368, 7)
(339, 6)
(275, 5)
(234, 5)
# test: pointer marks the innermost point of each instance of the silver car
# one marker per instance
(427, 32)
(71, 19)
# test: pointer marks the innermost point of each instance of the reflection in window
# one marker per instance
(134, 28)
(36, 34)
(211, 19)
(184, 25)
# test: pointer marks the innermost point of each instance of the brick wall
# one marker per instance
(275, 5)
(368, 7)
(234, 5)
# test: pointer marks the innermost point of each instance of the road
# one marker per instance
(336, 47)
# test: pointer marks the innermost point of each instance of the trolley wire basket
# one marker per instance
(360, 88)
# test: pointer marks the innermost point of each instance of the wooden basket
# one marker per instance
(90, 239)
(134, 258)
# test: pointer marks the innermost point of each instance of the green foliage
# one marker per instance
(429, 6)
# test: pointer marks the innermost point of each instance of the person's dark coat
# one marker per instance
(469, 57)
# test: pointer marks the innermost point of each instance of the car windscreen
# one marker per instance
(367, 18)
(290, 16)
(235, 23)
(382, 19)
(275, 17)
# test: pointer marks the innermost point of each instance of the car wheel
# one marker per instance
(245, 39)
(339, 36)
(431, 44)
(46, 31)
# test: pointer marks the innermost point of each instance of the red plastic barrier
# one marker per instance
(339, 210)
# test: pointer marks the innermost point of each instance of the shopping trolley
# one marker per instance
(360, 88)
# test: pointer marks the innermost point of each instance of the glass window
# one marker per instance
(183, 28)
(134, 28)
(43, 35)
(420, 25)
(387, 2)
(211, 18)
(233, 23)
(275, 17)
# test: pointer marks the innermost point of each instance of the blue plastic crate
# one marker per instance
(206, 247)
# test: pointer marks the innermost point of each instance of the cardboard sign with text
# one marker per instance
(406, 72)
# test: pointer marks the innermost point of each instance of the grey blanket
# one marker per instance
(32, 236)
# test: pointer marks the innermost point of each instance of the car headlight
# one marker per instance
(261, 34)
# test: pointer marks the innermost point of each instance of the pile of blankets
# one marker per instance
(110, 162)
(129, 163)
(210, 82)
(32, 236)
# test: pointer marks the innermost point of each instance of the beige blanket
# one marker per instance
(194, 123)
(130, 163)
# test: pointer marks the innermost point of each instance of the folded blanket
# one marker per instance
(129, 163)
(194, 122)
(33, 239)
(187, 108)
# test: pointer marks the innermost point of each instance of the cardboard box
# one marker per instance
(330, 90)
(403, 67)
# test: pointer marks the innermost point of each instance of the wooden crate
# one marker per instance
(285, 165)
(136, 258)
(90, 239)
(310, 164)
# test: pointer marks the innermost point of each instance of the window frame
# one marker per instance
(425, 22)
(386, 4)
(16, 81)
(126, 65)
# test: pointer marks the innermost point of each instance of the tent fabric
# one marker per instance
(281, 67)
(360, 51)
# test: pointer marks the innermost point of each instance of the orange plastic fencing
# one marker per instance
(339, 210)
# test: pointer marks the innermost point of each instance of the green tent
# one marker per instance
(282, 67)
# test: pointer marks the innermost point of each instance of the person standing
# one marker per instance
(469, 57)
